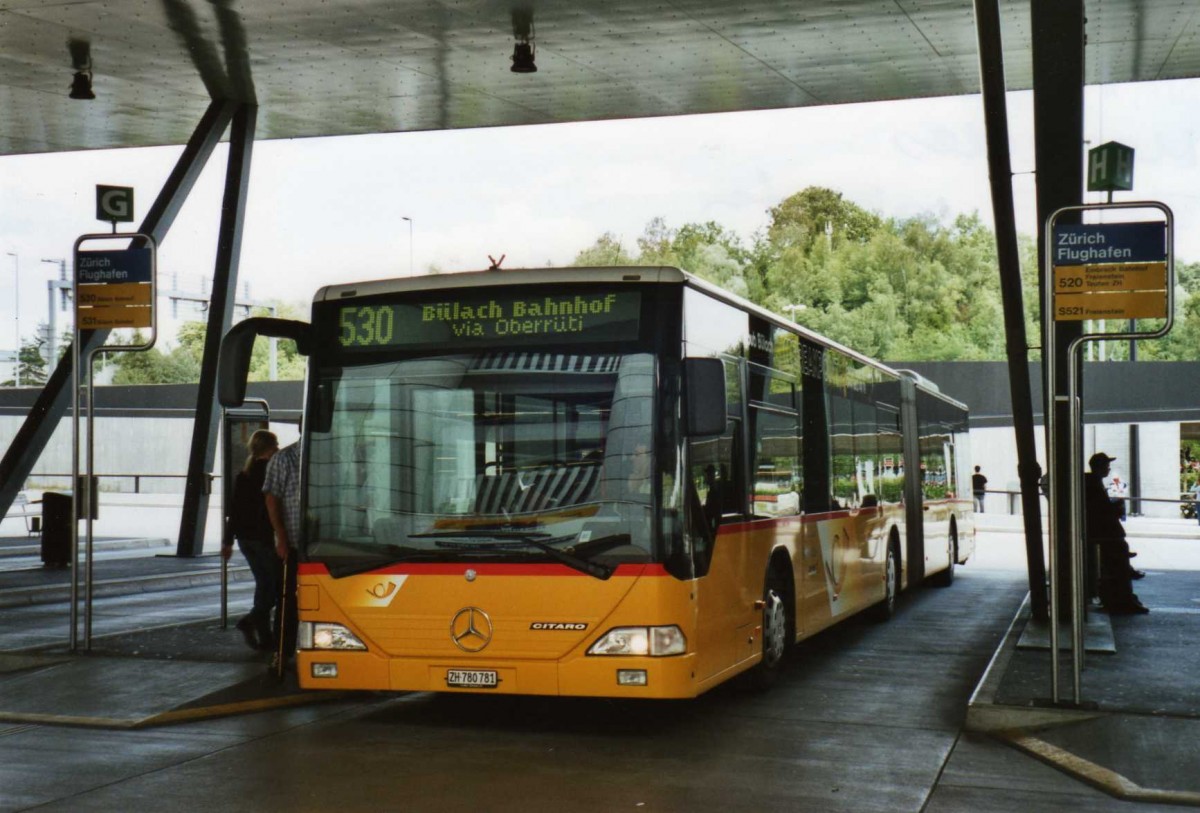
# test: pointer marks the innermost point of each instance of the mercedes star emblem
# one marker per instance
(471, 629)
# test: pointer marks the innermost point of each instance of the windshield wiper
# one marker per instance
(388, 554)
(543, 542)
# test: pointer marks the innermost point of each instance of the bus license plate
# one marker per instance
(472, 678)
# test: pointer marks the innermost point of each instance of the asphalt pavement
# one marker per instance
(1131, 743)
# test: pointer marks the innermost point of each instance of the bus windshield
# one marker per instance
(485, 456)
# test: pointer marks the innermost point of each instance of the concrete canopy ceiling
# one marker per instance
(338, 67)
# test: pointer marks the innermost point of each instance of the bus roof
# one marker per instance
(515, 276)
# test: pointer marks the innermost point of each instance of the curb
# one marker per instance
(986, 716)
(1019, 727)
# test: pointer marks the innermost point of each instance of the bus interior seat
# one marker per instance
(547, 488)
(563, 485)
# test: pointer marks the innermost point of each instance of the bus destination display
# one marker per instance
(502, 316)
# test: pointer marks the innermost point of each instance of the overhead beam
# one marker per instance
(51, 405)
(220, 316)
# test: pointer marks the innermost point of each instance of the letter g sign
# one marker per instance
(114, 204)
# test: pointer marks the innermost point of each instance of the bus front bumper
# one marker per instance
(586, 676)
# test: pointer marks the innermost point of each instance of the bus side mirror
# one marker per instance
(233, 365)
(705, 383)
(321, 413)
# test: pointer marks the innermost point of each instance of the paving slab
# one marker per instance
(116, 577)
(1097, 634)
(984, 775)
(1138, 739)
(167, 674)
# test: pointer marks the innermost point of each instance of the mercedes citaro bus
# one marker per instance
(619, 482)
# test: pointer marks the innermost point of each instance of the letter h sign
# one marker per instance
(1110, 168)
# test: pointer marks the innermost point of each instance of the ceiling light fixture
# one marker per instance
(81, 62)
(81, 86)
(523, 51)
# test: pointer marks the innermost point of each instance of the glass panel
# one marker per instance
(891, 454)
(778, 481)
(445, 458)
(936, 449)
(866, 453)
(712, 325)
(844, 476)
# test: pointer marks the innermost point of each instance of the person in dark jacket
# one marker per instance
(251, 526)
(1105, 533)
(978, 488)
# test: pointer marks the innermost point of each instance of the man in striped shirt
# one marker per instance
(281, 490)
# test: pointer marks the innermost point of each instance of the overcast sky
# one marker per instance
(331, 210)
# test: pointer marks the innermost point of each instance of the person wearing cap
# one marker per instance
(1105, 532)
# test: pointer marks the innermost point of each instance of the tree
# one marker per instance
(31, 363)
(806, 215)
(152, 366)
(182, 363)
(914, 289)
(606, 251)
(290, 365)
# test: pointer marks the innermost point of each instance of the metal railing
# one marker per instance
(136, 478)
(1187, 506)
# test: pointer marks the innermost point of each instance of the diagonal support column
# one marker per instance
(995, 107)
(220, 317)
(55, 397)
(1058, 39)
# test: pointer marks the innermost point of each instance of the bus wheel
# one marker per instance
(946, 577)
(774, 633)
(884, 610)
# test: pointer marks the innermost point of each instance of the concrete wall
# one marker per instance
(995, 449)
(124, 445)
(147, 430)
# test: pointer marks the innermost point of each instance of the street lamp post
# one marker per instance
(792, 309)
(410, 244)
(61, 286)
(16, 315)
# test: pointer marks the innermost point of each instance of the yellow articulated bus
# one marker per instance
(619, 482)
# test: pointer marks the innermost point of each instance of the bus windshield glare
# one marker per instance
(486, 455)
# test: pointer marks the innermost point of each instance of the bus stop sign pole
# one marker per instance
(1123, 271)
(113, 288)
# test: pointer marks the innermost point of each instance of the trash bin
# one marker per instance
(56, 529)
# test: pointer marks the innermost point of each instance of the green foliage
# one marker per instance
(182, 363)
(913, 290)
(152, 366)
(31, 362)
(818, 212)
(289, 363)
(606, 251)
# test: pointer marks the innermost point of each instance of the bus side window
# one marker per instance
(777, 481)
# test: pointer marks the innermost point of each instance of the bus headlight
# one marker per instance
(322, 635)
(654, 641)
